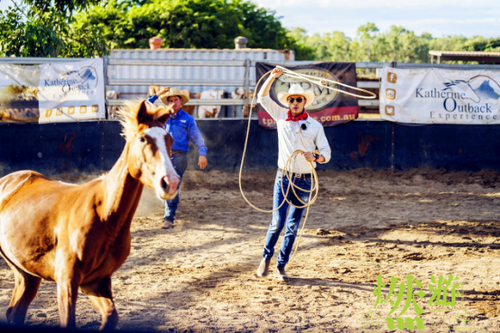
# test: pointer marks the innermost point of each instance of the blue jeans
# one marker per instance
(180, 161)
(292, 217)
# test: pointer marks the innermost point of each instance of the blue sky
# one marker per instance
(438, 17)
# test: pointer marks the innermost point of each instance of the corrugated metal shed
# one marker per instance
(492, 57)
(188, 72)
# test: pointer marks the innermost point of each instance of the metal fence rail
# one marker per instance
(222, 102)
(167, 82)
(159, 62)
(36, 61)
(245, 82)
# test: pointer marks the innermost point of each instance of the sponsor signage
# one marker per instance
(439, 96)
(72, 91)
(19, 92)
(330, 107)
(58, 92)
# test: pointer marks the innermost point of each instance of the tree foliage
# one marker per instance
(187, 23)
(40, 28)
(87, 28)
(479, 43)
(397, 44)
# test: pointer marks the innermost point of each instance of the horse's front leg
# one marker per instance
(101, 296)
(67, 294)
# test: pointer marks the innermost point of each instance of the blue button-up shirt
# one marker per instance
(183, 129)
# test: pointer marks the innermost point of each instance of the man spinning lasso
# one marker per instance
(296, 130)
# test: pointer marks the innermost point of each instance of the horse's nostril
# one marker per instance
(164, 184)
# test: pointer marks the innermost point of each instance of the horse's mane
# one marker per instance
(129, 115)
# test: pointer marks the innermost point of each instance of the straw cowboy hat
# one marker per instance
(296, 89)
(175, 92)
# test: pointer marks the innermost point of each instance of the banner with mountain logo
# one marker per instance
(72, 91)
(440, 96)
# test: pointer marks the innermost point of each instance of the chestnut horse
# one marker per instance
(78, 235)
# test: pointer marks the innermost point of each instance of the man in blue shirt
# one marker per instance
(183, 129)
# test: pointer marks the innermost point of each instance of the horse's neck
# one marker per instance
(122, 192)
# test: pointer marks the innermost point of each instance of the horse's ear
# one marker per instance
(164, 115)
(142, 113)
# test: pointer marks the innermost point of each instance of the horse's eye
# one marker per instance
(142, 139)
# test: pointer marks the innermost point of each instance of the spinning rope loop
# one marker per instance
(324, 83)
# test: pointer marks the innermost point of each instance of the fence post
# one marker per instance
(246, 86)
(102, 145)
(106, 82)
(393, 64)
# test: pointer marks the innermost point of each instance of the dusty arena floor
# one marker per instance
(200, 276)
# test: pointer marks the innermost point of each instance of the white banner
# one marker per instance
(439, 96)
(71, 91)
(19, 92)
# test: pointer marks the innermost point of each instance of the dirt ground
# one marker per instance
(200, 276)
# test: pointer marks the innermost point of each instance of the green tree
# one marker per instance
(397, 43)
(319, 45)
(261, 27)
(447, 43)
(337, 46)
(188, 24)
(298, 40)
(360, 48)
(478, 43)
(38, 28)
(401, 45)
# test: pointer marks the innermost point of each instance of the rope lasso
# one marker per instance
(287, 172)
(323, 82)
(288, 169)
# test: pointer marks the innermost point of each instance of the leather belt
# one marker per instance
(173, 152)
(298, 175)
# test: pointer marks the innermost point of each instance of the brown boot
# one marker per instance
(263, 269)
(167, 224)
(280, 274)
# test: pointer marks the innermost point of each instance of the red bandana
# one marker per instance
(301, 116)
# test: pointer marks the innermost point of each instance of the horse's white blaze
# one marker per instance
(165, 168)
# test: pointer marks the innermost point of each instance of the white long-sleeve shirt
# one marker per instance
(292, 137)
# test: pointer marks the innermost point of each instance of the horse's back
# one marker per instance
(31, 196)
(15, 182)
